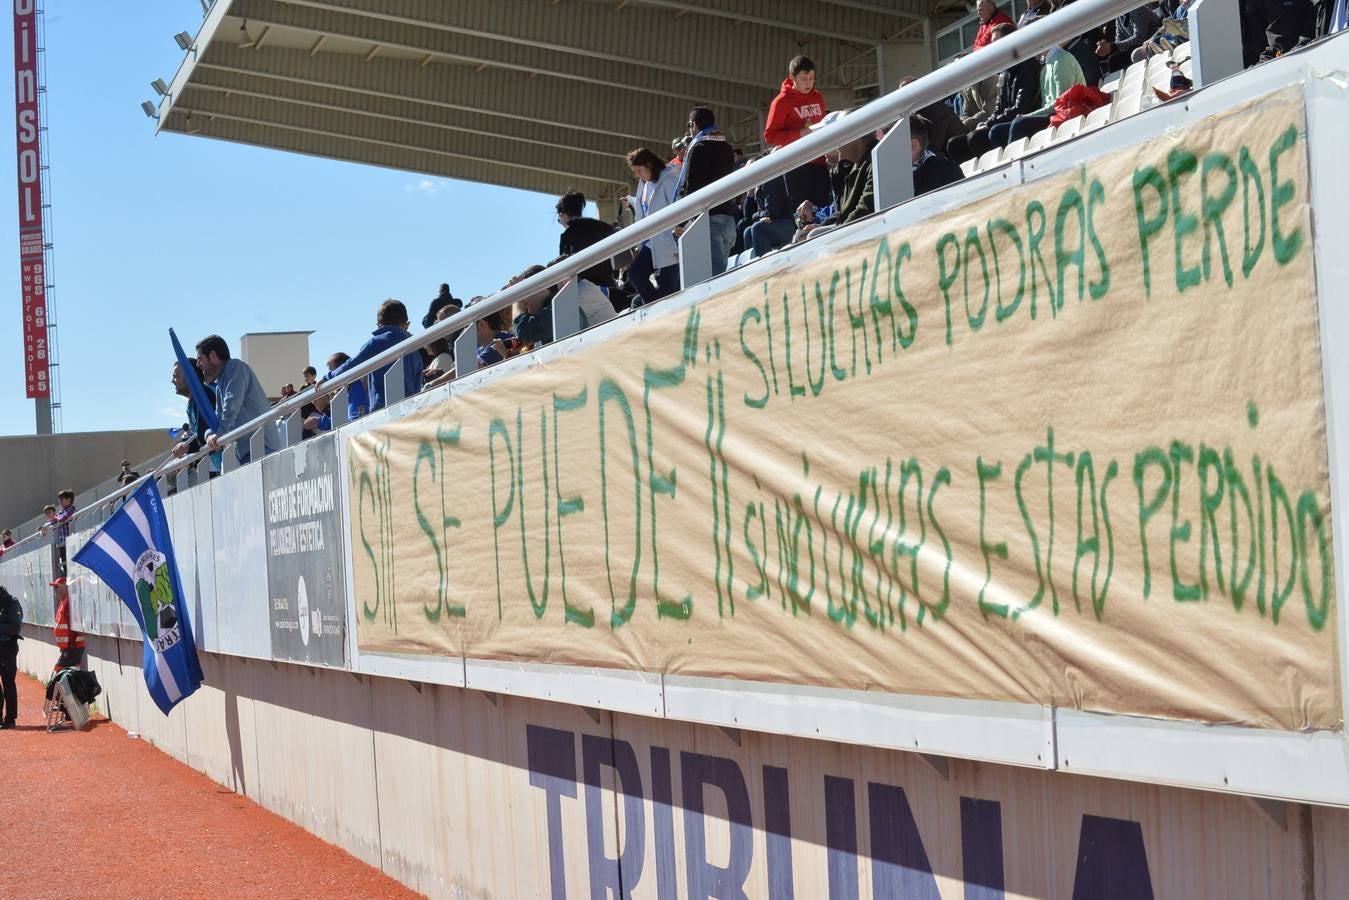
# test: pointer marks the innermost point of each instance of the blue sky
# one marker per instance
(208, 236)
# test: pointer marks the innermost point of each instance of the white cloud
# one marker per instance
(427, 186)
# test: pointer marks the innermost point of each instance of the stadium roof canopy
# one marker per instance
(542, 95)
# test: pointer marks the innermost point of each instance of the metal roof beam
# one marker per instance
(638, 36)
(693, 87)
(843, 23)
(496, 173)
(498, 92)
(409, 136)
(390, 109)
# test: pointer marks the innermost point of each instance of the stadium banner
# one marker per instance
(32, 268)
(1064, 446)
(306, 565)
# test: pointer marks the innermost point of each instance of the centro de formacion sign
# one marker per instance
(33, 274)
(305, 556)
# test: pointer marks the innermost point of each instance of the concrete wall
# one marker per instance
(457, 793)
(37, 466)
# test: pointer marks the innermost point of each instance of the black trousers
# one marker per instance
(9, 691)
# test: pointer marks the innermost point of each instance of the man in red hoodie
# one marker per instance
(989, 16)
(796, 107)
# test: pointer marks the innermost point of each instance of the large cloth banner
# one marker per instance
(1063, 446)
(28, 137)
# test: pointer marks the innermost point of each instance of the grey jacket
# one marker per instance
(239, 397)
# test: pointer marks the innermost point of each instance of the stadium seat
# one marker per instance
(1110, 83)
(1136, 72)
(968, 167)
(1127, 106)
(1068, 130)
(1041, 139)
(1181, 52)
(990, 159)
(1095, 119)
(1187, 67)
(1015, 150)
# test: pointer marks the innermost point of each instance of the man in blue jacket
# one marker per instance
(392, 328)
(239, 396)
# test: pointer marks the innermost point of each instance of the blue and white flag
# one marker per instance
(133, 555)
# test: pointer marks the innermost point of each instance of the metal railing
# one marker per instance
(884, 112)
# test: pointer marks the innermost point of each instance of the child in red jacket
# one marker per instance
(796, 107)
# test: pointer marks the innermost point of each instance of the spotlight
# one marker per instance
(160, 87)
(184, 40)
(149, 109)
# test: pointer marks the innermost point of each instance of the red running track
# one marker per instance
(97, 813)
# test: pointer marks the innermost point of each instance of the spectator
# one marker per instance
(11, 632)
(1174, 31)
(287, 391)
(772, 225)
(990, 17)
(61, 522)
(239, 397)
(1018, 93)
(739, 157)
(6, 540)
(942, 121)
(859, 191)
(533, 323)
(1285, 23)
(68, 640)
(495, 343)
(797, 106)
(50, 512)
(1131, 30)
(708, 159)
(194, 438)
(930, 170)
(578, 233)
(443, 298)
(1059, 72)
(358, 398)
(977, 102)
(308, 410)
(441, 351)
(1034, 10)
(391, 321)
(659, 255)
(126, 476)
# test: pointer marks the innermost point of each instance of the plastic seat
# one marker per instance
(968, 167)
(1135, 73)
(1095, 119)
(1068, 130)
(1127, 107)
(1181, 52)
(989, 160)
(1015, 150)
(1111, 82)
(1041, 139)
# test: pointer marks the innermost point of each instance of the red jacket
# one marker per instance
(986, 30)
(65, 638)
(791, 111)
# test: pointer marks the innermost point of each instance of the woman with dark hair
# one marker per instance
(659, 255)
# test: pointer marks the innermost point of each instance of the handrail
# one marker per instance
(1056, 28)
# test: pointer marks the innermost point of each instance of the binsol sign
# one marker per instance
(33, 275)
